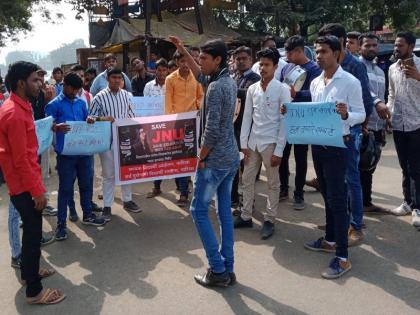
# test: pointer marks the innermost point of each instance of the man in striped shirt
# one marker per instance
(109, 104)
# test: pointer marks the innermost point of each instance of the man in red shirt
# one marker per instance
(19, 162)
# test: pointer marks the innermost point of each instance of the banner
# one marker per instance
(87, 139)
(145, 106)
(313, 123)
(158, 147)
(44, 133)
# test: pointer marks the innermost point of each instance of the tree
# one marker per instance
(306, 16)
(15, 16)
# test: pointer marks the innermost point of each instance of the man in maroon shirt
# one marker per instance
(19, 162)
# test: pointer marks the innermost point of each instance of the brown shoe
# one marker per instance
(320, 245)
(375, 209)
(182, 201)
(155, 192)
(355, 237)
(322, 227)
(313, 183)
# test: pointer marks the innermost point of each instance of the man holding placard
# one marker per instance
(263, 140)
(64, 108)
(335, 85)
(19, 162)
(109, 104)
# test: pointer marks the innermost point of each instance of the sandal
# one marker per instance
(155, 192)
(48, 297)
(43, 273)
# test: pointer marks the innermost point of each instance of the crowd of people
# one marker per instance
(241, 105)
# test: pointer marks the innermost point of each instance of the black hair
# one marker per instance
(73, 80)
(330, 40)
(294, 42)
(268, 38)
(335, 29)
(57, 69)
(91, 71)
(20, 70)
(109, 57)
(270, 53)
(353, 35)
(367, 35)
(77, 67)
(194, 48)
(112, 71)
(177, 55)
(409, 37)
(7, 83)
(134, 58)
(162, 63)
(216, 48)
(243, 49)
(171, 64)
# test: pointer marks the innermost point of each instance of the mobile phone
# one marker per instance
(408, 62)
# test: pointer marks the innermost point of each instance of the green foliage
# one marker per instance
(15, 16)
(306, 16)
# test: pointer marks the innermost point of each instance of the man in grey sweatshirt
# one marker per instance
(218, 160)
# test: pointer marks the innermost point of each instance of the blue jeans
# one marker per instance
(330, 167)
(14, 233)
(353, 177)
(69, 168)
(72, 205)
(210, 182)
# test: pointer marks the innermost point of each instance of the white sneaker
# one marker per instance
(415, 221)
(404, 209)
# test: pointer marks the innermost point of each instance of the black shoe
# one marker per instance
(232, 277)
(131, 206)
(95, 207)
(16, 262)
(267, 230)
(106, 214)
(45, 240)
(284, 195)
(211, 279)
(236, 212)
(241, 223)
(73, 217)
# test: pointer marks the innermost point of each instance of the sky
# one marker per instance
(45, 37)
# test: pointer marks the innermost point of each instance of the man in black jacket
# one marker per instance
(244, 78)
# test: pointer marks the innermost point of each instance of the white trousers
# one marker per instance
(108, 180)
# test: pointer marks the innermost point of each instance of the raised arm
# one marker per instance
(195, 68)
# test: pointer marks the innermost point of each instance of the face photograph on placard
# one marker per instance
(157, 142)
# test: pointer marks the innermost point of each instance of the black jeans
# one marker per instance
(301, 158)
(330, 166)
(407, 145)
(366, 177)
(31, 242)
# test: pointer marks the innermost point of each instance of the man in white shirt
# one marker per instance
(109, 104)
(270, 42)
(335, 85)
(404, 101)
(156, 87)
(263, 139)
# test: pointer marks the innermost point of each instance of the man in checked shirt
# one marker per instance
(109, 104)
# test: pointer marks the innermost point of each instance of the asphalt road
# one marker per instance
(144, 263)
